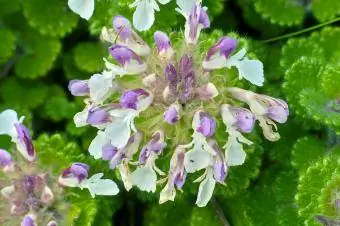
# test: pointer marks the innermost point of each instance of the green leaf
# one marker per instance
(7, 44)
(70, 68)
(325, 10)
(8, 7)
(39, 55)
(293, 12)
(330, 81)
(88, 56)
(303, 73)
(23, 95)
(52, 18)
(306, 151)
(320, 108)
(58, 108)
(312, 183)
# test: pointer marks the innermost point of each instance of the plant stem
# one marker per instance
(301, 31)
(219, 212)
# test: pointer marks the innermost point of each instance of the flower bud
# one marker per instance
(79, 88)
(171, 116)
(128, 59)
(197, 20)
(6, 161)
(29, 220)
(207, 91)
(163, 45)
(52, 223)
(122, 27)
(207, 124)
(98, 116)
(47, 196)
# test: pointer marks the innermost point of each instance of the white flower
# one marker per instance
(145, 178)
(102, 86)
(144, 16)
(200, 155)
(98, 186)
(84, 8)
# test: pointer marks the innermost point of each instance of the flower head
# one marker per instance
(165, 89)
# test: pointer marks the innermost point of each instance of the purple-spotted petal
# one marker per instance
(245, 119)
(204, 18)
(108, 151)
(225, 46)
(143, 155)
(122, 27)
(207, 125)
(171, 116)
(220, 167)
(98, 116)
(79, 87)
(117, 159)
(172, 77)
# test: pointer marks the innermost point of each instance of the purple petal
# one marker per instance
(143, 155)
(52, 223)
(207, 125)
(5, 158)
(171, 116)
(122, 27)
(178, 174)
(162, 41)
(278, 112)
(78, 88)
(220, 171)
(171, 76)
(197, 17)
(225, 46)
(29, 184)
(123, 55)
(28, 221)
(130, 98)
(204, 18)
(77, 170)
(245, 119)
(108, 151)
(98, 116)
(117, 159)
(25, 138)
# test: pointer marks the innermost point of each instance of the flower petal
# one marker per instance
(144, 17)
(234, 152)
(205, 190)
(84, 8)
(163, 2)
(100, 86)
(99, 186)
(97, 144)
(195, 160)
(167, 194)
(119, 132)
(7, 119)
(185, 6)
(80, 119)
(145, 179)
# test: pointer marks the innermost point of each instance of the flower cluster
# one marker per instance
(168, 88)
(30, 192)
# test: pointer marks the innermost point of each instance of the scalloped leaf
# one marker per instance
(300, 47)
(7, 44)
(293, 11)
(311, 183)
(23, 95)
(70, 68)
(52, 18)
(88, 56)
(325, 10)
(320, 108)
(39, 55)
(330, 81)
(58, 108)
(329, 194)
(303, 73)
(306, 151)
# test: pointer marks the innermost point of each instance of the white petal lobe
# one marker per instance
(84, 8)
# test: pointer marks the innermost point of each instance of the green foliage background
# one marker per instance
(44, 45)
